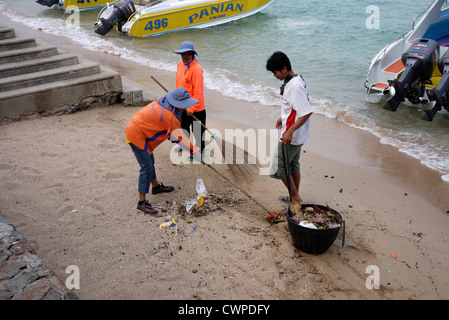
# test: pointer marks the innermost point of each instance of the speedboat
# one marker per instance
(164, 16)
(74, 4)
(415, 67)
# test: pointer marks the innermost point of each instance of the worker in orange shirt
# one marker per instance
(158, 121)
(189, 75)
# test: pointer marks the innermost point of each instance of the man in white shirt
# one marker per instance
(294, 123)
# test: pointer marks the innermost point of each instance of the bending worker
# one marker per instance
(148, 128)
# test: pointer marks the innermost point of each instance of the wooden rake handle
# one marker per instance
(196, 119)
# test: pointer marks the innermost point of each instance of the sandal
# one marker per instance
(284, 199)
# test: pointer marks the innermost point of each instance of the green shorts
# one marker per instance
(277, 169)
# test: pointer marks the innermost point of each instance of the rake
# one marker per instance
(273, 216)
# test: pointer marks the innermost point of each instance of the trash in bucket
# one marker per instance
(314, 228)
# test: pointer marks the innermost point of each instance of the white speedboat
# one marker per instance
(415, 66)
(164, 16)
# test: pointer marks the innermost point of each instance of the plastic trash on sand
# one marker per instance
(190, 204)
(201, 193)
(168, 224)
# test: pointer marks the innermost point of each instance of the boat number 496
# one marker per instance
(157, 24)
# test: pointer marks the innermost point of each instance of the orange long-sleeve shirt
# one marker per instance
(152, 125)
(192, 79)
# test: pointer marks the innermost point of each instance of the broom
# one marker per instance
(273, 216)
(238, 170)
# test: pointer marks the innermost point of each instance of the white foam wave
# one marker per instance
(228, 84)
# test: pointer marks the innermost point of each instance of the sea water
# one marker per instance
(330, 43)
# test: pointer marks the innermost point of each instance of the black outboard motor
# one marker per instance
(48, 3)
(438, 96)
(120, 14)
(419, 61)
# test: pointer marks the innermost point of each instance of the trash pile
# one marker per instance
(195, 204)
(314, 217)
(203, 204)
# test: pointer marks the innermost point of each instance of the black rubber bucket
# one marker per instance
(315, 241)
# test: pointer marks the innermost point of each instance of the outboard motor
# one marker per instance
(48, 3)
(419, 61)
(438, 97)
(119, 14)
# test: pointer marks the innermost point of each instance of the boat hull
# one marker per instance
(85, 4)
(155, 21)
(387, 64)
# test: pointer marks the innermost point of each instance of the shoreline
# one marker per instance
(386, 198)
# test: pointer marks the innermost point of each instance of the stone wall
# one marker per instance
(23, 275)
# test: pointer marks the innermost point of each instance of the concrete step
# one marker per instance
(36, 65)
(47, 76)
(17, 43)
(7, 33)
(51, 98)
(39, 80)
(27, 54)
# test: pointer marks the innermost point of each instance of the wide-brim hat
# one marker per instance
(180, 98)
(185, 47)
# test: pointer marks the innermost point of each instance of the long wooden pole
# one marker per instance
(196, 119)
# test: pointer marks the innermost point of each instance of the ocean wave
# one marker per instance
(227, 83)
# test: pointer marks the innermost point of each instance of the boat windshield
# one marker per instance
(444, 6)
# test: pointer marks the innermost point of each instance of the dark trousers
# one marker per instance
(189, 124)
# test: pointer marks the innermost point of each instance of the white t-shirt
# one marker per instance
(295, 104)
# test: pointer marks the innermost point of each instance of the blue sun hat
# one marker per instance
(185, 47)
(180, 98)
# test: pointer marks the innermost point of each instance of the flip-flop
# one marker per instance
(284, 199)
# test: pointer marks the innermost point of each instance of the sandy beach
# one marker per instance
(69, 184)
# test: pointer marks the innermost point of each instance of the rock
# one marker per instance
(35, 291)
(20, 247)
(20, 281)
(10, 268)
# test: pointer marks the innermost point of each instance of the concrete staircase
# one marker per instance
(38, 79)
